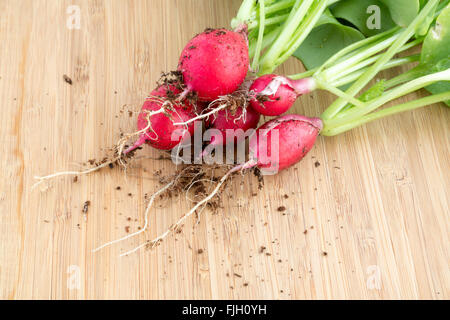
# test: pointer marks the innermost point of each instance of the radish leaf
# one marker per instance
(436, 50)
(403, 12)
(357, 13)
(325, 40)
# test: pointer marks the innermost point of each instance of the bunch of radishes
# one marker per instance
(213, 85)
(212, 70)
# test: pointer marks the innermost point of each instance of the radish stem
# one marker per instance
(427, 101)
(339, 104)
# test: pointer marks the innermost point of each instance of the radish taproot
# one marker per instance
(214, 63)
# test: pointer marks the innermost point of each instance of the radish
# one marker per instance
(166, 118)
(226, 120)
(274, 95)
(282, 142)
(214, 63)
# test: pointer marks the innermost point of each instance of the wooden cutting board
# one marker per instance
(367, 212)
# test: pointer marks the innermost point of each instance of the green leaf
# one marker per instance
(325, 40)
(442, 86)
(436, 50)
(403, 12)
(357, 13)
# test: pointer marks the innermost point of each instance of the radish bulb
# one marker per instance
(274, 95)
(214, 63)
(225, 121)
(159, 117)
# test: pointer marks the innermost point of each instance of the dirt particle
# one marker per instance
(200, 251)
(118, 188)
(127, 229)
(324, 253)
(317, 164)
(286, 196)
(281, 209)
(237, 275)
(75, 179)
(86, 209)
(305, 232)
(246, 284)
(220, 33)
(67, 79)
(262, 249)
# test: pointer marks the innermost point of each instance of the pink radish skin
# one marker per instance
(162, 126)
(297, 135)
(214, 63)
(280, 93)
(224, 121)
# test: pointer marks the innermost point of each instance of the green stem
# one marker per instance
(305, 28)
(262, 17)
(364, 54)
(268, 22)
(297, 15)
(337, 106)
(427, 101)
(341, 81)
(353, 114)
(244, 14)
(280, 5)
(407, 76)
(349, 51)
(344, 54)
(325, 86)
(267, 40)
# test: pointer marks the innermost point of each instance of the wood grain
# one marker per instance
(377, 204)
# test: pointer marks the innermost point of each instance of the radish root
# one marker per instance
(147, 210)
(153, 243)
(119, 148)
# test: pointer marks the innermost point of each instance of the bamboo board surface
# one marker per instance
(370, 222)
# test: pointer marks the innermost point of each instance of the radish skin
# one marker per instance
(224, 121)
(295, 136)
(274, 95)
(214, 63)
(163, 124)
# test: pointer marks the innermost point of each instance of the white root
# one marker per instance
(223, 102)
(72, 173)
(202, 116)
(205, 200)
(147, 210)
(119, 147)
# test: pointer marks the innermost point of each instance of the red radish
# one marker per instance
(274, 94)
(214, 63)
(163, 120)
(295, 136)
(224, 120)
